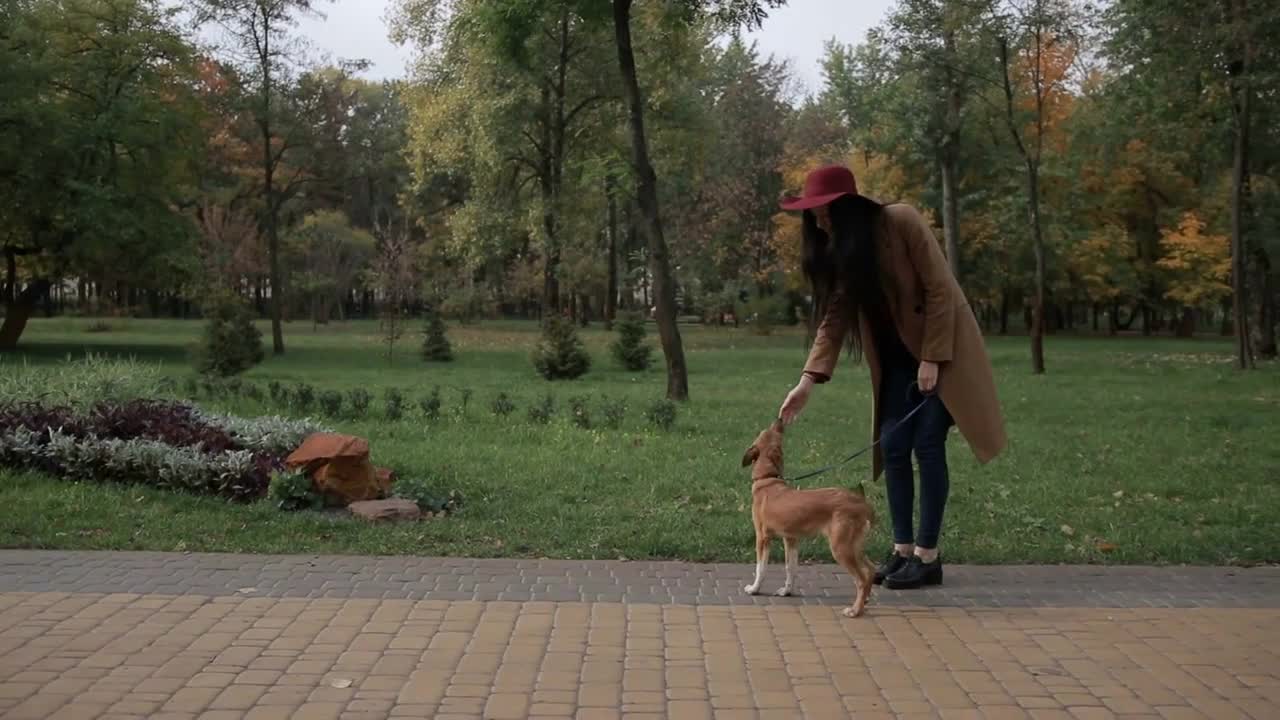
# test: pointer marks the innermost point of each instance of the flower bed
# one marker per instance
(162, 443)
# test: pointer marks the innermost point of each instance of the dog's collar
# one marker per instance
(762, 483)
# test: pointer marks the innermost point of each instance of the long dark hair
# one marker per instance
(847, 262)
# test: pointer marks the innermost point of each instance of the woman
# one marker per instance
(877, 269)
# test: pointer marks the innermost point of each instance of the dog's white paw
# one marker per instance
(853, 612)
(783, 591)
(751, 589)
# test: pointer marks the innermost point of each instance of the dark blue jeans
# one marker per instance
(925, 434)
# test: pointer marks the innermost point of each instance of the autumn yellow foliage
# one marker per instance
(1199, 263)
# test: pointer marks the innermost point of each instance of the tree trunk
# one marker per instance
(1032, 162)
(10, 290)
(1266, 325)
(1187, 326)
(1267, 315)
(18, 311)
(950, 158)
(1037, 244)
(1241, 94)
(1004, 312)
(611, 294)
(647, 194)
(550, 225)
(268, 188)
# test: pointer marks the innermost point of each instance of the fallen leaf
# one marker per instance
(1118, 494)
(340, 683)
(1106, 547)
(1068, 530)
(247, 591)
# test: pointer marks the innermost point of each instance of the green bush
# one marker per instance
(394, 399)
(614, 411)
(293, 490)
(662, 414)
(277, 393)
(431, 404)
(360, 400)
(465, 396)
(253, 392)
(560, 355)
(543, 411)
(302, 398)
(502, 405)
(580, 411)
(331, 403)
(630, 349)
(230, 344)
(435, 343)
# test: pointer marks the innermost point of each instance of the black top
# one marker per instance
(890, 349)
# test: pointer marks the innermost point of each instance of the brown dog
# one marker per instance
(778, 510)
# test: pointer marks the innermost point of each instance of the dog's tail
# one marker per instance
(861, 492)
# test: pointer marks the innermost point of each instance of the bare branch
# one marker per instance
(1008, 95)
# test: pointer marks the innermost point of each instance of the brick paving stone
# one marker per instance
(90, 635)
(419, 578)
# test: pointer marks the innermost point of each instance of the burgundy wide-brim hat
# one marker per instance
(822, 186)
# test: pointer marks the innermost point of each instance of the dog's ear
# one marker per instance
(750, 457)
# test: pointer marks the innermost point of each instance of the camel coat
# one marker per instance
(936, 324)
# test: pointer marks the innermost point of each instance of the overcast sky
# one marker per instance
(355, 29)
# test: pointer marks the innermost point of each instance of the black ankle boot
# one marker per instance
(914, 574)
(892, 564)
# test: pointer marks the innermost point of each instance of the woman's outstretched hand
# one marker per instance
(796, 400)
(927, 377)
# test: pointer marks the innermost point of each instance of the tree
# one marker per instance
(1032, 72)
(435, 343)
(730, 12)
(392, 275)
(647, 201)
(1199, 262)
(513, 91)
(259, 44)
(941, 42)
(729, 214)
(97, 137)
(1223, 72)
(630, 349)
(560, 354)
(230, 344)
(326, 256)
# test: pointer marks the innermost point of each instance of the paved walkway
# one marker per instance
(222, 637)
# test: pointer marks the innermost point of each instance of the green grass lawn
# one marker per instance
(1127, 451)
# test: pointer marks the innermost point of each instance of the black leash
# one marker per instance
(865, 450)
